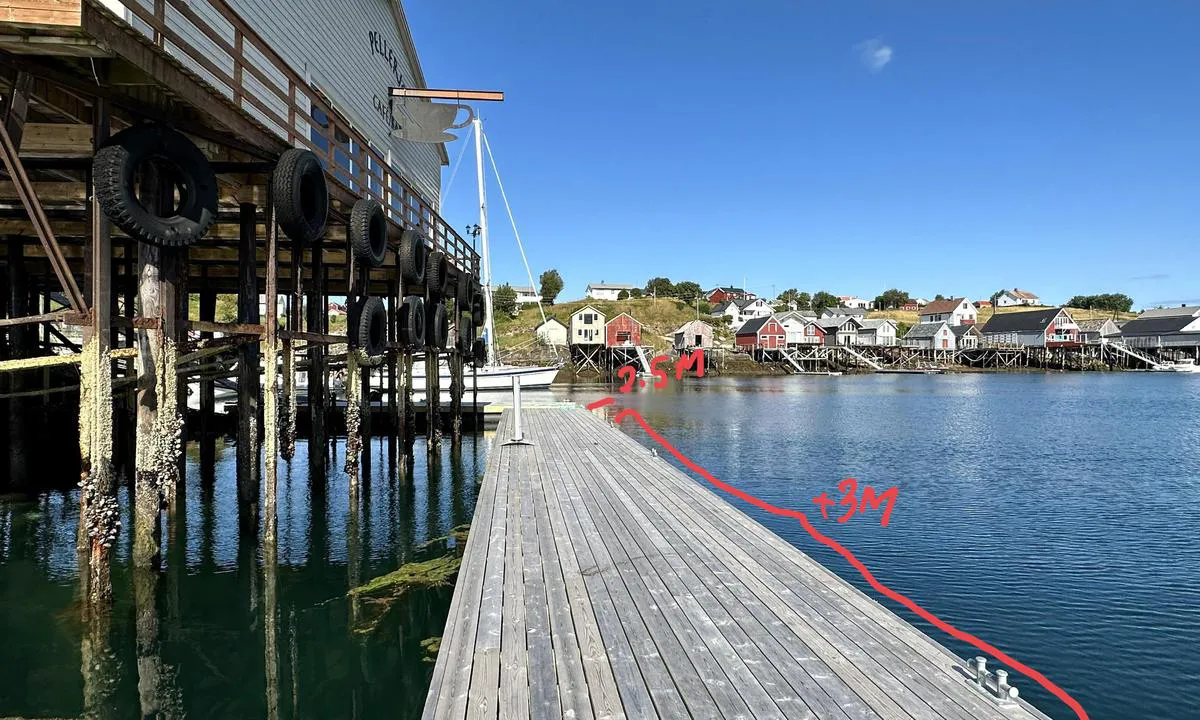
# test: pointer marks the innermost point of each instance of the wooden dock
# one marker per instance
(600, 581)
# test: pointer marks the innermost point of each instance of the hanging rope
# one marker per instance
(516, 233)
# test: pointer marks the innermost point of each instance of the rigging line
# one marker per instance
(462, 151)
(516, 234)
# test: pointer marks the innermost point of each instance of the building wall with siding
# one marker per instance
(587, 333)
(623, 330)
(331, 45)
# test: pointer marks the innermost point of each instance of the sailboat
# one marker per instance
(494, 375)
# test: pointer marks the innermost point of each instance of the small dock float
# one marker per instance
(599, 581)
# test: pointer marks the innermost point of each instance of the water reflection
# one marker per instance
(221, 630)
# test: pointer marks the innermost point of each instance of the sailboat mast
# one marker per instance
(488, 323)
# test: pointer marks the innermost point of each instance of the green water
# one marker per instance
(210, 655)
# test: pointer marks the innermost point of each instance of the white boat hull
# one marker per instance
(489, 379)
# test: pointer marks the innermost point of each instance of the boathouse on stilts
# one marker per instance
(162, 152)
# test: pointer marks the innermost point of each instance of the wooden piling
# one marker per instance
(433, 420)
(20, 347)
(248, 473)
(208, 403)
(318, 321)
(271, 381)
(456, 393)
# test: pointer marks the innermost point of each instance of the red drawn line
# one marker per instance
(601, 403)
(858, 565)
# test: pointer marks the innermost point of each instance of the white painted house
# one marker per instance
(1015, 296)
(552, 332)
(880, 332)
(742, 309)
(527, 295)
(587, 327)
(607, 291)
(955, 311)
(851, 301)
(800, 328)
(930, 336)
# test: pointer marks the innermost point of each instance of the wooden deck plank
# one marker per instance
(543, 678)
(598, 679)
(639, 620)
(600, 581)
(631, 686)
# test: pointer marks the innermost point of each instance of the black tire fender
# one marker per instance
(436, 269)
(370, 326)
(477, 309)
(465, 334)
(411, 257)
(437, 326)
(368, 233)
(479, 353)
(300, 195)
(115, 167)
(412, 321)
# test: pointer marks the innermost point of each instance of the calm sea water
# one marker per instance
(1053, 515)
(1056, 516)
(211, 603)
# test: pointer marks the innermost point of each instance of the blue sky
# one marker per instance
(938, 147)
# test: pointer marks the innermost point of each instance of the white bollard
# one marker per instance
(518, 434)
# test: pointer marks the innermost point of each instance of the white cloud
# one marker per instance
(874, 54)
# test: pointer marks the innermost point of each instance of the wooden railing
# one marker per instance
(244, 67)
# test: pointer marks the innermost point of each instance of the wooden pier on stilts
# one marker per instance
(600, 581)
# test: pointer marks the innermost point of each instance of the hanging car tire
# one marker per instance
(368, 233)
(479, 353)
(465, 334)
(370, 326)
(300, 195)
(436, 269)
(411, 257)
(477, 309)
(437, 325)
(114, 169)
(412, 321)
(462, 293)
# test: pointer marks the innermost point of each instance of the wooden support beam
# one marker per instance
(16, 106)
(318, 321)
(208, 402)
(434, 94)
(271, 384)
(248, 474)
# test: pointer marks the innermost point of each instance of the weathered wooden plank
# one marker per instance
(514, 655)
(544, 699)
(631, 687)
(573, 687)
(601, 683)
(643, 680)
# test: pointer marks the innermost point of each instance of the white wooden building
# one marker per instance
(930, 336)
(552, 332)
(607, 291)
(527, 295)
(878, 332)
(841, 330)
(374, 52)
(587, 327)
(966, 337)
(1016, 296)
(851, 301)
(801, 328)
(955, 311)
(693, 335)
(740, 310)
(1098, 332)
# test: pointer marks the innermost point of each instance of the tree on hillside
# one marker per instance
(823, 300)
(623, 295)
(891, 299)
(789, 297)
(803, 301)
(660, 286)
(1112, 302)
(504, 300)
(688, 290)
(552, 285)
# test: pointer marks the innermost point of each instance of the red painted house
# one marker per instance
(764, 333)
(622, 330)
(725, 294)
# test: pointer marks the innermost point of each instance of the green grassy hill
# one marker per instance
(660, 318)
